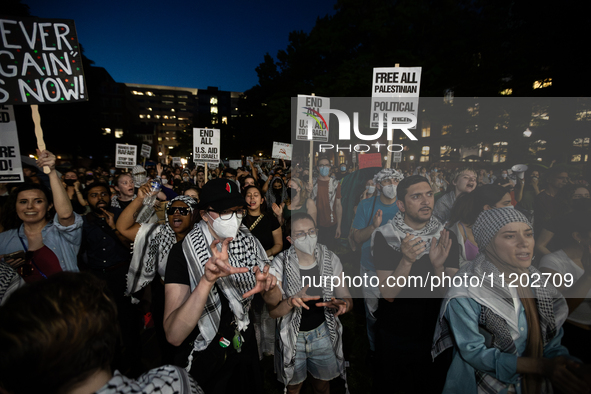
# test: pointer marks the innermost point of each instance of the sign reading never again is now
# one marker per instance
(40, 62)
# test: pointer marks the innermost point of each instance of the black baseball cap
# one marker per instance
(220, 194)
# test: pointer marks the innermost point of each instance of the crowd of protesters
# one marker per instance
(217, 268)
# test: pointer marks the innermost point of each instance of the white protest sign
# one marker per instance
(396, 157)
(235, 164)
(249, 159)
(282, 151)
(11, 168)
(395, 90)
(146, 150)
(309, 111)
(206, 145)
(125, 156)
(176, 161)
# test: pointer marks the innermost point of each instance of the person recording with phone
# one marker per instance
(46, 231)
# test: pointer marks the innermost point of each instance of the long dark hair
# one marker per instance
(264, 200)
(468, 206)
(10, 219)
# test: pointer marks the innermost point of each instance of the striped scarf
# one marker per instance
(288, 326)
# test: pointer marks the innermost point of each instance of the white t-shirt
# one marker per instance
(561, 263)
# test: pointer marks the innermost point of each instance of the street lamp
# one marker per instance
(527, 133)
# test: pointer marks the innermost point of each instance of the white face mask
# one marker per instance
(164, 181)
(306, 245)
(370, 189)
(504, 175)
(226, 228)
(389, 191)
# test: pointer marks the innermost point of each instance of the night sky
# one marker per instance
(184, 43)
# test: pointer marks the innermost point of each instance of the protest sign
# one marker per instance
(11, 168)
(309, 111)
(146, 150)
(368, 160)
(235, 164)
(206, 145)
(394, 90)
(282, 151)
(125, 156)
(41, 62)
(396, 157)
(249, 160)
(176, 161)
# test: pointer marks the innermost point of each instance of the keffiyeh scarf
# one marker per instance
(151, 247)
(395, 231)
(333, 185)
(288, 326)
(244, 251)
(164, 380)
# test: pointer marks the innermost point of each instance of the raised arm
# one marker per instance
(61, 201)
(126, 224)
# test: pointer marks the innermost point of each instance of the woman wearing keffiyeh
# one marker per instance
(309, 332)
(211, 278)
(505, 339)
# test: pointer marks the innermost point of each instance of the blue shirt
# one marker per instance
(63, 241)
(470, 353)
(365, 214)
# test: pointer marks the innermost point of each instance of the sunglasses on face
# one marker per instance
(183, 211)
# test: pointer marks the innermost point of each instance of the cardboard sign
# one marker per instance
(206, 145)
(308, 115)
(368, 160)
(235, 164)
(282, 151)
(146, 150)
(176, 161)
(11, 168)
(41, 62)
(125, 156)
(395, 91)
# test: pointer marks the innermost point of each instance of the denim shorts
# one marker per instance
(315, 354)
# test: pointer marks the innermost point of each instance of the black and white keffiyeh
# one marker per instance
(151, 247)
(244, 251)
(115, 200)
(497, 303)
(10, 280)
(167, 379)
(288, 326)
(388, 173)
(395, 231)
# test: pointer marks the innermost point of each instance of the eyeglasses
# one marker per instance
(302, 234)
(183, 211)
(228, 213)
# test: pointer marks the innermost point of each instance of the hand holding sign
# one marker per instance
(39, 133)
(46, 161)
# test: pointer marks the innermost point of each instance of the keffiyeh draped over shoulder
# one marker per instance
(151, 247)
(395, 231)
(164, 380)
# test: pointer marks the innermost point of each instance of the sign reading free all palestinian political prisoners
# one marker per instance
(11, 168)
(206, 145)
(125, 156)
(40, 62)
(395, 90)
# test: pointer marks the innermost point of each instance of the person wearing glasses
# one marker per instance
(211, 278)
(152, 244)
(310, 333)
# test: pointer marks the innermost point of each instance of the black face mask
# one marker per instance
(278, 193)
(581, 204)
(293, 192)
(70, 182)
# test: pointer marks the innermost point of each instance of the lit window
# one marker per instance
(142, 116)
(148, 116)
(425, 150)
(214, 110)
(149, 109)
(444, 150)
(182, 103)
(165, 117)
(495, 158)
(213, 100)
(168, 95)
(214, 120)
(581, 142)
(135, 92)
(583, 115)
(224, 120)
(543, 83)
(106, 131)
(172, 110)
(426, 130)
(157, 116)
(159, 138)
(150, 94)
(506, 92)
(575, 158)
(118, 133)
(424, 158)
(445, 129)
(182, 96)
